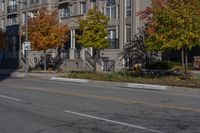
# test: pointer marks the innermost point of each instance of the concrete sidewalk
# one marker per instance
(57, 77)
(21, 74)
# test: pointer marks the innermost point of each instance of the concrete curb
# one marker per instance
(18, 75)
(147, 86)
(70, 80)
(15, 75)
(128, 85)
(109, 83)
(85, 81)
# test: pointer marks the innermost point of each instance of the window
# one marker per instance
(113, 39)
(2, 6)
(12, 20)
(12, 6)
(66, 12)
(93, 4)
(12, 2)
(31, 1)
(111, 9)
(23, 18)
(3, 23)
(34, 1)
(128, 8)
(83, 7)
(128, 33)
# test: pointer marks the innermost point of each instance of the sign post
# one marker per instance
(27, 47)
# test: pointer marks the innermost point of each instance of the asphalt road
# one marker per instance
(42, 106)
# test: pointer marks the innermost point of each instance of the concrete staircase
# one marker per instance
(90, 63)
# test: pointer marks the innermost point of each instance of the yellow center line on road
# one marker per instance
(121, 100)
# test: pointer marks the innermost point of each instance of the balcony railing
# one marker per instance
(12, 8)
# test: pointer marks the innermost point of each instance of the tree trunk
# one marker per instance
(94, 57)
(186, 60)
(182, 58)
(59, 51)
(45, 60)
(186, 63)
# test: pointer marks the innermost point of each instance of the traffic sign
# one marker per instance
(27, 46)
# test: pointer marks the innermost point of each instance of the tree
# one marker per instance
(45, 31)
(135, 50)
(173, 25)
(2, 39)
(94, 32)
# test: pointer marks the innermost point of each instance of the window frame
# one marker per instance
(128, 8)
(128, 26)
(65, 12)
(82, 6)
(111, 9)
(113, 38)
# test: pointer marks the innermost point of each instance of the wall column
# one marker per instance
(72, 45)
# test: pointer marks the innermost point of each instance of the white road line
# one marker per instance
(112, 121)
(11, 98)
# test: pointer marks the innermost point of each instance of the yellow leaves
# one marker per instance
(46, 32)
(94, 30)
(172, 24)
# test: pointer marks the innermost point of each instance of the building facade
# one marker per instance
(123, 24)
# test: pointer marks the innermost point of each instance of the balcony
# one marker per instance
(12, 8)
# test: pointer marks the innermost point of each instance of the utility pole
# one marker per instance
(26, 43)
(26, 40)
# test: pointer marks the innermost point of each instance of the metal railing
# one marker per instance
(109, 65)
(59, 59)
(52, 62)
(105, 64)
(12, 8)
(89, 59)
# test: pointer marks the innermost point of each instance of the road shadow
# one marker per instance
(8, 68)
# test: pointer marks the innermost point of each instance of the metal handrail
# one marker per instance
(88, 58)
(112, 66)
(101, 61)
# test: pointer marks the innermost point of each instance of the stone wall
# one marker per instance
(73, 65)
(197, 62)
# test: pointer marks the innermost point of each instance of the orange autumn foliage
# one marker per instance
(46, 32)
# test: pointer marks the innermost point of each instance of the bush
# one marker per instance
(177, 69)
(125, 73)
(162, 65)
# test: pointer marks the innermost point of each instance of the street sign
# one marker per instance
(27, 46)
